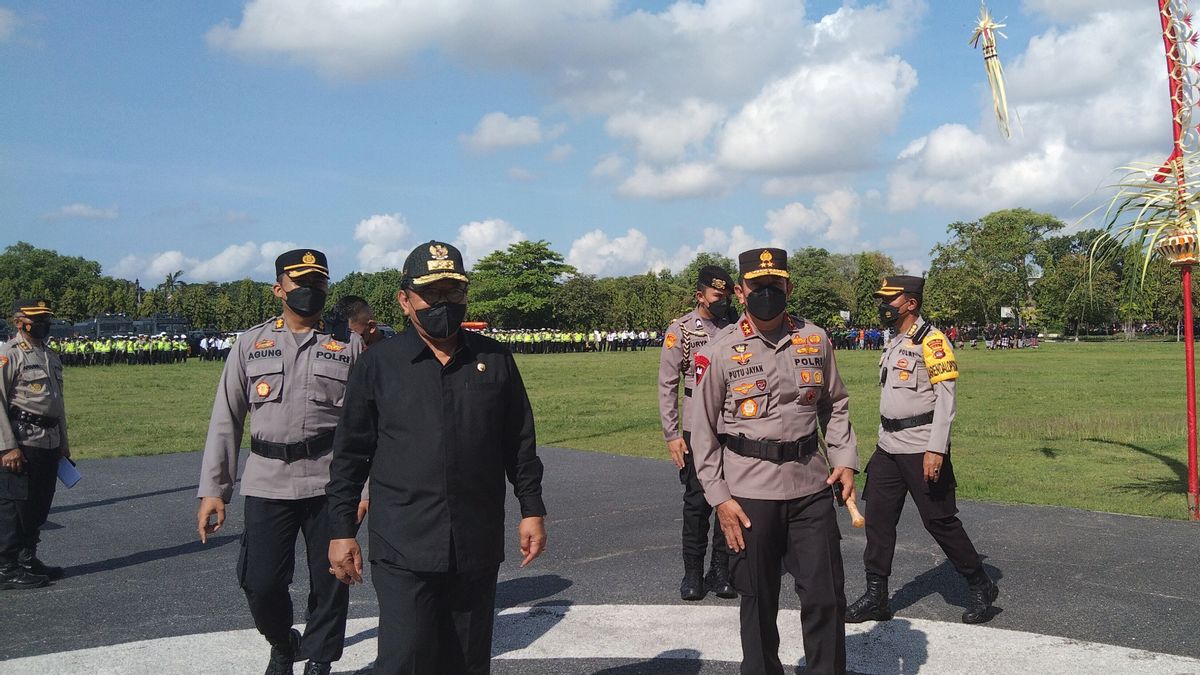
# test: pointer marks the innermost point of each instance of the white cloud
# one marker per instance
(630, 253)
(83, 212)
(8, 24)
(608, 167)
(520, 174)
(386, 241)
(665, 135)
(693, 179)
(236, 261)
(819, 118)
(1069, 10)
(497, 130)
(478, 238)
(560, 152)
(832, 218)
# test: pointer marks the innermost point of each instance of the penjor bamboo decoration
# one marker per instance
(987, 30)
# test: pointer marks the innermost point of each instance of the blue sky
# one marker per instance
(210, 136)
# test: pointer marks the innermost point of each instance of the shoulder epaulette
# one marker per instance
(922, 333)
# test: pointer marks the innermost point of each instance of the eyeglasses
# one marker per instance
(456, 295)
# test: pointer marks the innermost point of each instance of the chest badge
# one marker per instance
(333, 346)
(743, 389)
(670, 341)
(809, 398)
(262, 389)
(797, 339)
(904, 375)
(749, 408)
(818, 377)
(481, 367)
(742, 357)
(806, 376)
(264, 344)
(902, 363)
(37, 386)
(814, 339)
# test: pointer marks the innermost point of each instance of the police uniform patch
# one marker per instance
(818, 377)
(264, 344)
(904, 375)
(25, 346)
(3, 361)
(37, 386)
(481, 367)
(761, 384)
(333, 346)
(747, 329)
(935, 344)
(749, 408)
(743, 357)
(814, 339)
(939, 360)
(262, 389)
(743, 389)
(669, 343)
(939, 354)
(810, 397)
(278, 324)
(902, 363)
(701, 367)
(797, 339)
(806, 376)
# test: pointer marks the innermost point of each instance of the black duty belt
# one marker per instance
(772, 451)
(892, 426)
(687, 391)
(290, 452)
(44, 421)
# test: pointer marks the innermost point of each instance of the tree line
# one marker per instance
(1015, 258)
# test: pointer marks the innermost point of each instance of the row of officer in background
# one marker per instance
(762, 391)
(140, 350)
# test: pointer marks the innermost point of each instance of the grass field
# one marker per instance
(1092, 426)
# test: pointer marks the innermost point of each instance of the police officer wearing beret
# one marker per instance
(917, 373)
(764, 387)
(684, 337)
(33, 438)
(290, 374)
(437, 417)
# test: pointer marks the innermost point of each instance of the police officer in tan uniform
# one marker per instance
(685, 336)
(918, 374)
(764, 389)
(290, 374)
(33, 437)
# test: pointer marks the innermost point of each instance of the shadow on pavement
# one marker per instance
(943, 580)
(118, 500)
(674, 661)
(906, 651)
(148, 556)
(523, 590)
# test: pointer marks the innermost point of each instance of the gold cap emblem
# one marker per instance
(766, 259)
(41, 303)
(309, 258)
(718, 284)
(439, 252)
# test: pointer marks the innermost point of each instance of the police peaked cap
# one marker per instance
(903, 283)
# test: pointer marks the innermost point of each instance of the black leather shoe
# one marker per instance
(14, 577)
(29, 560)
(717, 579)
(283, 656)
(692, 587)
(980, 597)
(316, 668)
(873, 605)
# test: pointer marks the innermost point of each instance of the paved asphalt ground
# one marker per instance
(136, 571)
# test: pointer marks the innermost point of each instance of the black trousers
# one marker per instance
(25, 500)
(892, 477)
(266, 564)
(802, 536)
(432, 623)
(696, 511)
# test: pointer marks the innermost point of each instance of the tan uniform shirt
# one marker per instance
(769, 392)
(685, 336)
(293, 392)
(918, 373)
(31, 378)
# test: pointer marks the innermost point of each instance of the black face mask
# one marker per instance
(442, 320)
(766, 303)
(306, 301)
(38, 330)
(888, 315)
(720, 310)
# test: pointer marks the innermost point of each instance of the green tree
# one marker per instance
(515, 287)
(821, 292)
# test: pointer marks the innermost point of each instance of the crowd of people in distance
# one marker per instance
(139, 350)
(859, 338)
(550, 341)
(214, 347)
(997, 336)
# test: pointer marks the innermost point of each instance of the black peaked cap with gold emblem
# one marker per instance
(301, 261)
(716, 277)
(433, 261)
(902, 283)
(33, 307)
(761, 262)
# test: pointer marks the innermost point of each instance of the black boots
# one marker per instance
(15, 577)
(692, 586)
(873, 605)
(28, 559)
(981, 593)
(316, 668)
(283, 656)
(717, 579)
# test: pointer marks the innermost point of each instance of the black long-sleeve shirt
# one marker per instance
(437, 442)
